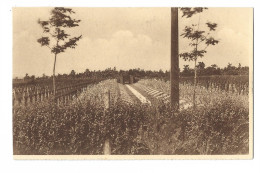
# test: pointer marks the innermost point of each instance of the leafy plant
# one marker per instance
(199, 40)
(54, 28)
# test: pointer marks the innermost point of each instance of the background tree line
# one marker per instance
(111, 73)
(215, 70)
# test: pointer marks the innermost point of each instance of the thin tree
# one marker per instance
(56, 39)
(200, 40)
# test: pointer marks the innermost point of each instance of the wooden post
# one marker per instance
(20, 98)
(24, 99)
(174, 60)
(47, 93)
(107, 148)
(13, 97)
(40, 95)
(43, 94)
(36, 95)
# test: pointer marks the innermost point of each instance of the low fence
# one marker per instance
(29, 95)
(224, 83)
(232, 84)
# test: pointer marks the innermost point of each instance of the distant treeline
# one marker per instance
(109, 73)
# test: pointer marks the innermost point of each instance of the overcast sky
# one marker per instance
(127, 38)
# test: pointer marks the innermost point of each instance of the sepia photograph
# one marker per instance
(132, 83)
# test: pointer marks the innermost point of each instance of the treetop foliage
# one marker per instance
(197, 36)
(189, 12)
(212, 26)
(55, 27)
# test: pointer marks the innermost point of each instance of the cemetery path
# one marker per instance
(142, 99)
(154, 96)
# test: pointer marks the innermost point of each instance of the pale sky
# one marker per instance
(127, 38)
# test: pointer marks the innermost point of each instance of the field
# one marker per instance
(138, 121)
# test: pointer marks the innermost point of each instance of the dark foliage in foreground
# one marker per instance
(76, 129)
(221, 128)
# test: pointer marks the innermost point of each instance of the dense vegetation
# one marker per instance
(219, 128)
(81, 127)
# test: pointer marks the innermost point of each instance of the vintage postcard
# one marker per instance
(132, 83)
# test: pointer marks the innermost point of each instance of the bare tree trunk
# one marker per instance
(195, 70)
(195, 84)
(54, 86)
(107, 145)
